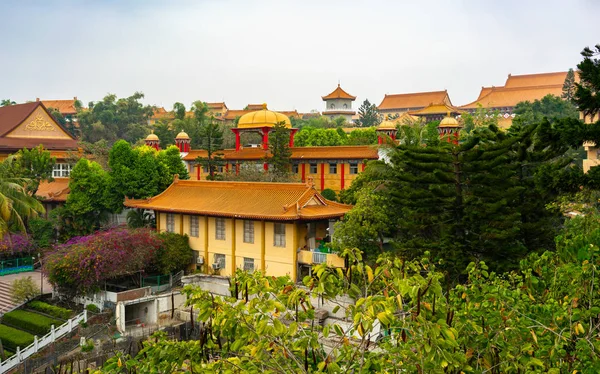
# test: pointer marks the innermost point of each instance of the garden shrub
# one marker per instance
(52, 310)
(33, 322)
(24, 289)
(174, 254)
(13, 338)
(42, 231)
(329, 194)
(83, 263)
(92, 308)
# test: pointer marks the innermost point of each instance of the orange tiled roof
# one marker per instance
(338, 93)
(502, 97)
(244, 200)
(484, 91)
(542, 79)
(440, 108)
(254, 107)
(346, 152)
(56, 191)
(233, 114)
(413, 100)
(216, 105)
(63, 106)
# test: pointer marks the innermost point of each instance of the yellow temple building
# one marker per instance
(397, 104)
(274, 227)
(333, 167)
(518, 88)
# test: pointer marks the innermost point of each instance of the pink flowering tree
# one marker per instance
(83, 264)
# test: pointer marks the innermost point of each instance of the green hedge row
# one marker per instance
(33, 322)
(52, 310)
(13, 338)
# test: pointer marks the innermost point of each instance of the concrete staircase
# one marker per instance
(6, 301)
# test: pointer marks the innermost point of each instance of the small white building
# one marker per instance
(339, 104)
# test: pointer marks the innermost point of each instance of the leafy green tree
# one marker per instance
(329, 194)
(86, 208)
(315, 137)
(362, 137)
(174, 254)
(172, 159)
(587, 91)
(34, 164)
(42, 232)
(165, 132)
(113, 119)
(16, 205)
(67, 124)
(551, 107)
(24, 289)
(138, 218)
(568, 91)
(368, 115)
(7, 102)
(280, 149)
(211, 140)
(179, 110)
(481, 118)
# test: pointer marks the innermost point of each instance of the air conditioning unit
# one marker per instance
(200, 260)
(216, 266)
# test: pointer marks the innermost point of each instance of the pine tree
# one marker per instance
(211, 140)
(368, 115)
(587, 92)
(280, 149)
(568, 91)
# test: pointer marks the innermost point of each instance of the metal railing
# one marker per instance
(319, 257)
(16, 265)
(39, 344)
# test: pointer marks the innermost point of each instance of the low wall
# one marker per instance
(215, 284)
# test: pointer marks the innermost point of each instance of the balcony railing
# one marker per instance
(311, 258)
(319, 258)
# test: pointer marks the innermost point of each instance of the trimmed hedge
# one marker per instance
(30, 321)
(54, 311)
(13, 338)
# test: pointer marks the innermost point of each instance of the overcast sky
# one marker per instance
(285, 53)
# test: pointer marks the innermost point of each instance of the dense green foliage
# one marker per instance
(24, 289)
(279, 146)
(329, 194)
(42, 232)
(310, 136)
(34, 164)
(52, 310)
(112, 119)
(587, 91)
(30, 321)
(174, 253)
(12, 338)
(368, 115)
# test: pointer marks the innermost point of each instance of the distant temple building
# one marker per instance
(279, 228)
(333, 167)
(393, 106)
(517, 88)
(67, 108)
(29, 125)
(339, 104)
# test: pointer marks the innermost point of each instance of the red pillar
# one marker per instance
(237, 169)
(303, 172)
(198, 167)
(292, 134)
(342, 178)
(265, 141)
(364, 165)
(266, 166)
(237, 139)
(322, 176)
(379, 140)
(227, 167)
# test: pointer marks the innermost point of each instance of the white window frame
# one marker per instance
(220, 259)
(170, 222)
(220, 228)
(61, 170)
(194, 226)
(278, 234)
(248, 231)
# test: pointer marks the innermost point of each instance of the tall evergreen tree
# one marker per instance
(179, 110)
(211, 140)
(368, 115)
(280, 149)
(568, 90)
(587, 91)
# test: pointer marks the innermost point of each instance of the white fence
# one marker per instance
(39, 344)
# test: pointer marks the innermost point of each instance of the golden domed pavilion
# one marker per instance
(449, 129)
(152, 140)
(183, 142)
(262, 121)
(387, 127)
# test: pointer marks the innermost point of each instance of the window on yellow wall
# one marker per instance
(194, 226)
(332, 168)
(170, 222)
(248, 264)
(248, 231)
(295, 168)
(219, 259)
(353, 168)
(279, 235)
(220, 228)
(313, 168)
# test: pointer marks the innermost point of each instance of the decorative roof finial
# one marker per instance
(264, 106)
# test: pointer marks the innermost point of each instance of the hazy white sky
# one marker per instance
(285, 53)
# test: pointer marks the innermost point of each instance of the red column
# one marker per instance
(303, 172)
(237, 169)
(226, 167)
(342, 178)
(322, 176)
(198, 167)
(364, 165)
(266, 166)
(292, 134)
(237, 139)
(379, 139)
(265, 138)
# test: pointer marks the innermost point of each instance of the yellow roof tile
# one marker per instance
(244, 200)
(56, 191)
(413, 100)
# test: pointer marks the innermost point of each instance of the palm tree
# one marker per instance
(7, 102)
(16, 206)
